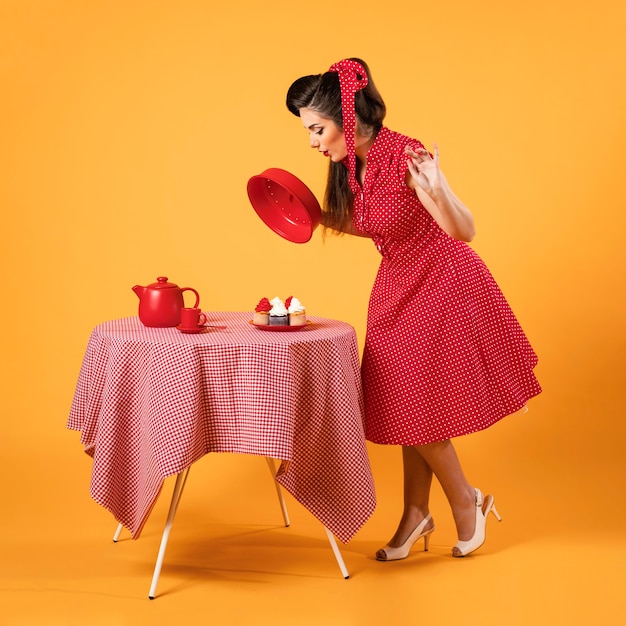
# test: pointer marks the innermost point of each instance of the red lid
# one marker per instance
(285, 204)
(162, 284)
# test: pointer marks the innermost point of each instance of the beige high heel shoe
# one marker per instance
(388, 553)
(471, 545)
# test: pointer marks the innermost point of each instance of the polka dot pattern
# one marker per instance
(444, 353)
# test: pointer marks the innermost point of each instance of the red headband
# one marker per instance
(352, 78)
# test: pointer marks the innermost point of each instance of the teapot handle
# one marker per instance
(195, 306)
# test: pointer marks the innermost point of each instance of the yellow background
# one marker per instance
(128, 131)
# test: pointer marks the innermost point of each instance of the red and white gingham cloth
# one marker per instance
(149, 402)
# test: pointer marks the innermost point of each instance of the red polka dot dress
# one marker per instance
(444, 354)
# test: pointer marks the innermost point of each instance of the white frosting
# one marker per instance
(295, 306)
(275, 301)
(278, 308)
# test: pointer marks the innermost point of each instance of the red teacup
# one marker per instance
(192, 318)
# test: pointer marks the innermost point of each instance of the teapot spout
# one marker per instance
(139, 290)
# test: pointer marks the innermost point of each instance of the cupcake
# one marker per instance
(262, 313)
(279, 316)
(297, 312)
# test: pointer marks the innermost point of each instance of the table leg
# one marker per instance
(333, 545)
(281, 499)
(118, 532)
(181, 479)
(283, 506)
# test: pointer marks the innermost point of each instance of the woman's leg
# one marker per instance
(419, 465)
(417, 481)
(442, 459)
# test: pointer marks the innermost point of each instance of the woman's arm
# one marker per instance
(434, 192)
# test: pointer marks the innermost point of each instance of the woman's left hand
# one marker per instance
(424, 169)
(432, 189)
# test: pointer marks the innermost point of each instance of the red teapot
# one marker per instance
(160, 303)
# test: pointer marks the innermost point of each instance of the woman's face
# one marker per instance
(324, 135)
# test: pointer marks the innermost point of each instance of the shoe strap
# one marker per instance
(479, 497)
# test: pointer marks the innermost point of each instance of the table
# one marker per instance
(149, 402)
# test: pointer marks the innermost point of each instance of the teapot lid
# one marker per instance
(162, 284)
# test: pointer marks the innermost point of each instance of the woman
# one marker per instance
(444, 355)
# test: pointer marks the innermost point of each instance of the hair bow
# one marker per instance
(352, 78)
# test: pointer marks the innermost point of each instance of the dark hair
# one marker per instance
(322, 93)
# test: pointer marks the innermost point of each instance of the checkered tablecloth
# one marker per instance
(149, 402)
